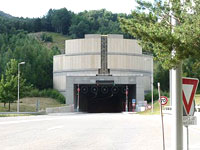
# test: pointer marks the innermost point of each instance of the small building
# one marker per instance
(103, 73)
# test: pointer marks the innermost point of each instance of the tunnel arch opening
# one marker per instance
(95, 98)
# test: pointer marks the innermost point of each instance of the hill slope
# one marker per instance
(58, 40)
(3, 14)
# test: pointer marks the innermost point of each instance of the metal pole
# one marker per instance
(161, 114)
(177, 108)
(187, 138)
(126, 98)
(176, 100)
(21, 63)
(152, 88)
(78, 98)
(18, 89)
(170, 87)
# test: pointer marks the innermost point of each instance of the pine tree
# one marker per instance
(151, 25)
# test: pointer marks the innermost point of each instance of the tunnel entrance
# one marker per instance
(94, 98)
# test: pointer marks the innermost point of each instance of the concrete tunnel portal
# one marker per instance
(94, 98)
(103, 67)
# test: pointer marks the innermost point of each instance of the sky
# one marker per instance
(39, 8)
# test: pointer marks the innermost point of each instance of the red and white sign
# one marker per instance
(164, 100)
(189, 87)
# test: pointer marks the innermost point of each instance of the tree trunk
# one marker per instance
(4, 104)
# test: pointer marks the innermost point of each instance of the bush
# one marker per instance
(52, 93)
(46, 38)
(155, 95)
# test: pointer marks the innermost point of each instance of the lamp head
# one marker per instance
(21, 63)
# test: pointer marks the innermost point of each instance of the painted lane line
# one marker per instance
(54, 128)
(25, 121)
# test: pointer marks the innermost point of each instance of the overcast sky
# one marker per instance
(39, 8)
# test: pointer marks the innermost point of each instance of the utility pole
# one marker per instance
(177, 108)
(176, 98)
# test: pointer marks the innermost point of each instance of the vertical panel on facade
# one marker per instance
(82, 46)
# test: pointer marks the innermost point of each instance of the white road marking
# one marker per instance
(30, 120)
(53, 128)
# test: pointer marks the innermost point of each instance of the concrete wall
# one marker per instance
(76, 62)
(134, 62)
(83, 45)
(59, 82)
(82, 59)
(123, 46)
(85, 54)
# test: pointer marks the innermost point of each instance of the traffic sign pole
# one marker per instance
(78, 90)
(186, 138)
(126, 98)
(161, 114)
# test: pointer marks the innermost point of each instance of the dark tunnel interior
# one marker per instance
(95, 98)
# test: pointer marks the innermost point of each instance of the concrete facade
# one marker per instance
(89, 60)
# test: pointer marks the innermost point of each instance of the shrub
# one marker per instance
(46, 38)
(52, 93)
(155, 95)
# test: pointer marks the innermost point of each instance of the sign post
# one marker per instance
(133, 104)
(126, 98)
(78, 96)
(189, 87)
(161, 114)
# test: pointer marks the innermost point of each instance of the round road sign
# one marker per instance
(164, 100)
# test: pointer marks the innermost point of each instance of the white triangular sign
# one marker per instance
(189, 87)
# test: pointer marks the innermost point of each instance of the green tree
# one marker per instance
(9, 83)
(61, 20)
(151, 25)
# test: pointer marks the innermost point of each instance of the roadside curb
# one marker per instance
(21, 113)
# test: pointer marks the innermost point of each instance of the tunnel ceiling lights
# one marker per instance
(104, 89)
(115, 90)
(84, 89)
(94, 89)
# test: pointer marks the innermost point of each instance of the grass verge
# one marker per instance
(29, 104)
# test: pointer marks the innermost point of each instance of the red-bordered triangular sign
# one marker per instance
(189, 87)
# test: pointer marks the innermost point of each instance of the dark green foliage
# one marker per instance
(46, 38)
(52, 93)
(151, 24)
(95, 21)
(161, 75)
(39, 60)
(155, 95)
(66, 22)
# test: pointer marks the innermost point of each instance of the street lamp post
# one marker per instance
(21, 63)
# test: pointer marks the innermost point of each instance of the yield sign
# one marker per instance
(189, 86)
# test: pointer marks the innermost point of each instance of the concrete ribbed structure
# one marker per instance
(108, 59)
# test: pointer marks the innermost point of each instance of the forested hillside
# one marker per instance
(65, 22)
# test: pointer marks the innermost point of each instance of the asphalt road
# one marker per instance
(117, 131)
